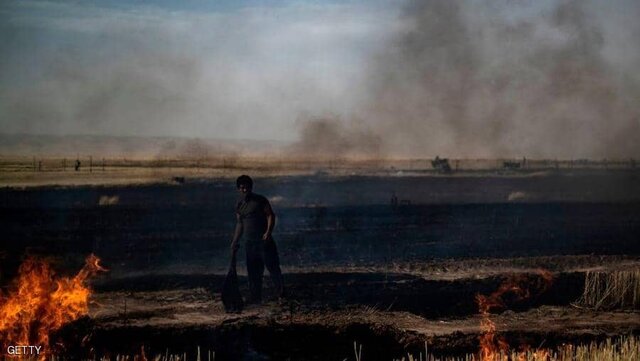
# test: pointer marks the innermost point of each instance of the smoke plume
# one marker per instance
(331, 137)
(463, 78)
(418, 78)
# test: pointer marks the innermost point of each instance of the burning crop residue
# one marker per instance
(516, 287)
(41, 303)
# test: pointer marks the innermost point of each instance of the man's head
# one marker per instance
(244, 183)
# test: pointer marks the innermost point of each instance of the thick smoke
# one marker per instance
(454, 78)
(464, 79)
(331, 137)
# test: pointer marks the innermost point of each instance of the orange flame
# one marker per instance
(493, 347)
(39, 304)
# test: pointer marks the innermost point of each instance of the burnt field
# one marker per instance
(357, 268)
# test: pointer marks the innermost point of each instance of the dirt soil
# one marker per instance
(389, 313)
(357, 267)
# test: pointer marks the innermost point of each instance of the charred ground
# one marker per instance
(357, 268)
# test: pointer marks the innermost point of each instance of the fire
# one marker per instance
(40, 304)
(492, 346)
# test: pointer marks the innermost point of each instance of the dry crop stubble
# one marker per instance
(611, 290)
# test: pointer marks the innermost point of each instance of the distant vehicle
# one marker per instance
(441, 165)
(511, 165)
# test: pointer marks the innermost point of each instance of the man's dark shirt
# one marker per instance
(251, 211)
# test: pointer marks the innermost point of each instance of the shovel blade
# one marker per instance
(230, 294)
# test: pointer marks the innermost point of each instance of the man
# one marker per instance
(255, 222)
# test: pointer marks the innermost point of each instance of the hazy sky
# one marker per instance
(198, 68)
(485, 78)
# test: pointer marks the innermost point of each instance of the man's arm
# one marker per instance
(271, 221)
(236, 234)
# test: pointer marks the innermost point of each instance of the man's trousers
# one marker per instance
(260, 254)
